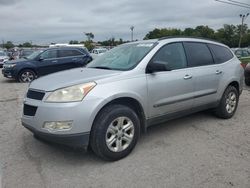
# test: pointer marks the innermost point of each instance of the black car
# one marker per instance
(45, 62)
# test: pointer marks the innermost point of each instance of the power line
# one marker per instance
(239, 2)
(226, 2)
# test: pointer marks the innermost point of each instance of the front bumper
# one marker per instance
(81, 114)
(73, 140)
(8, 73)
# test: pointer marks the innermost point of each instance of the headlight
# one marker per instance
(71, 94)
(9, 65)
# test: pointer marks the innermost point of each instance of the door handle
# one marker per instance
(55, 61)
(74, 59)
(187, 77)
(218, 72)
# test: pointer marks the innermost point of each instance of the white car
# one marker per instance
(3, 58)
(98, 52)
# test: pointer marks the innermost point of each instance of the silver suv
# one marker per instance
(107, 104)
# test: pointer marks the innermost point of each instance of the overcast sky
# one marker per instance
(47, 21)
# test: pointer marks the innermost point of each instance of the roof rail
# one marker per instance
(188, 37)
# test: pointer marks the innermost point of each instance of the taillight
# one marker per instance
(243, 65)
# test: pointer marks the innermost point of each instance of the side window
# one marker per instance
(245, 53)
(49, 54)
(69, 53)
(172, 55)
(220, 53)
(198, 54)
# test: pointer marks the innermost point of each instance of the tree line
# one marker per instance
(229, 34)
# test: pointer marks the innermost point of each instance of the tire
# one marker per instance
(106, 130)
(247, 82)
(228, 103)
(26, 76)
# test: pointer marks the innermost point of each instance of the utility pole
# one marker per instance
(243, 18)
(2, 43)
(132, 33)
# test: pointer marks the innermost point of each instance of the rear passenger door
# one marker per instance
(70, 58)
(170, 91)
(206, 73)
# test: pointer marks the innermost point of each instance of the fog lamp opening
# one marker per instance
(54, 126)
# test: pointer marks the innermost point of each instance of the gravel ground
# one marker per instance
(196, 151)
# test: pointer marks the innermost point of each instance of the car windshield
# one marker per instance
(34, 54)
(27, 52)
(123, 57)
(3, 54)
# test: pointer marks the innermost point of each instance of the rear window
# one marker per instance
(198, 54)
(220, 53)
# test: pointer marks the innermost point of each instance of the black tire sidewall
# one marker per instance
(247, 82)
(100, 128)
(224, 112)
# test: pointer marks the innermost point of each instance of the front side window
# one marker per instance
(123, 57)
(198, 54)
(49, 54)
(221, 54)
(172, 56)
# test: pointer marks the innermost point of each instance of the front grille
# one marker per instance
(37, 95)
(29, 110)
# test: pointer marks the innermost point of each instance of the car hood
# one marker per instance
(71, 77)
(17, 61)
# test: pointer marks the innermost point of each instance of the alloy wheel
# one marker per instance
(120, 134)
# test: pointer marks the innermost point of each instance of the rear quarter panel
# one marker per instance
(232, 71)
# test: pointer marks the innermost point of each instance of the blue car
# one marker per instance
(44, 62)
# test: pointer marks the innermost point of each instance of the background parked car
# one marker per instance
(48, 61)
(3, 58)
(243, 55)
(14, 53)
(98, 52)
(247, 74)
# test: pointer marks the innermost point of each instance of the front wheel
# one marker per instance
(26, 76)
(115, 132)
(228, 103)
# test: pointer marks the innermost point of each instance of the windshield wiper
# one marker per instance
(101, 67)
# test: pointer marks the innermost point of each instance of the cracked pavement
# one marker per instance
(196, 151)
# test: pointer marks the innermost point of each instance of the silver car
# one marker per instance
(109, 103)
(3, 58)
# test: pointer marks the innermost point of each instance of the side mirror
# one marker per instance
(238, 56)
(40, 59)
(157, 66)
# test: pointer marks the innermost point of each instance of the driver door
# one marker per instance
(170, 91)
(48, 62)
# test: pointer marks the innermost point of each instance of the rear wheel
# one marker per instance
(228, 103)
(26, 75)
(247, 82)
(115, 132)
